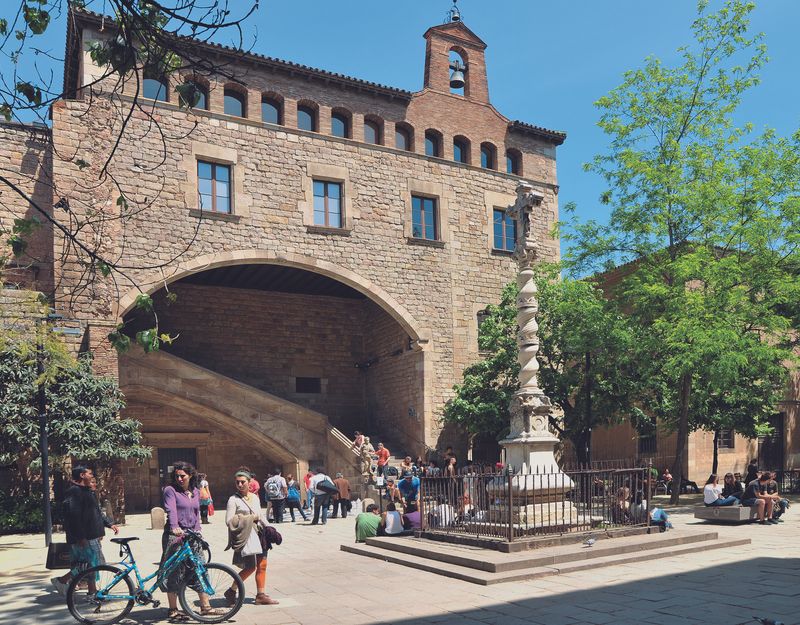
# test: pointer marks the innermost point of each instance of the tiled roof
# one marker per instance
(556, 136)
(96, 18)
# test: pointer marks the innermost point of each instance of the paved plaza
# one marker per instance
(317, 584)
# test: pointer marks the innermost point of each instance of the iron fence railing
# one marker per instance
(788, 480)
(489, 504)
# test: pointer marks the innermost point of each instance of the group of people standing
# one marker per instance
(759, 489)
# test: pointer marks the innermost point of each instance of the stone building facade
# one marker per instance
(292, 329)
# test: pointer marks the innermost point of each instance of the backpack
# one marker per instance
(390, 471)
(274, 490)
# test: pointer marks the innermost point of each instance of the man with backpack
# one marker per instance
(323, 487)
(276, 491)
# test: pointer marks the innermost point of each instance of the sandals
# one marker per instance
(209, 611)
(176, 616)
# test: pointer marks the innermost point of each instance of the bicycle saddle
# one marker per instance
(123, 541)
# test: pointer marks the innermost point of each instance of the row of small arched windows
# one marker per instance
(235, 104)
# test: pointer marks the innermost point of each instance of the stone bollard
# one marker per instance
(158, 518)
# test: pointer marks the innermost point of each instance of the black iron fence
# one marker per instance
(488, 504)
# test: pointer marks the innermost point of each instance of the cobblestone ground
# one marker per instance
(319, 585)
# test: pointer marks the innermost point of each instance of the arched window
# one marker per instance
(340, 124)
(155, 88)
(433, 143)
(461, 150)
(372, 131)
(271, 110)
(194, 94)
(306, 118)
(235, 103)
(488, 156)
(458, 67)
(403, 137)
(513, 162)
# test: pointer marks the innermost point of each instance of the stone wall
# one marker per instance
(267, 339)
(219, 453)
(26, 160)
(394, 385)
(440, 285)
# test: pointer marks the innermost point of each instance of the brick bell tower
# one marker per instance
(455, 37)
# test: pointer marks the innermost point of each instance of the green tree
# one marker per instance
(585, 355)
(481, 401)
(82, 411)
(584, 367)
(707, 213)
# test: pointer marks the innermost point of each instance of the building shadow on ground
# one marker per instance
(727, 594)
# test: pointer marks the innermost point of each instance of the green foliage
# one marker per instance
(585, 366)
(585, 355)
(481, 400)
(82, 409)
(708, 216)
(19, 514)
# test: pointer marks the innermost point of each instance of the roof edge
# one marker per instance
(83, 17)
(556, 137)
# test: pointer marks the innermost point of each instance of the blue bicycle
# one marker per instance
(104, 594)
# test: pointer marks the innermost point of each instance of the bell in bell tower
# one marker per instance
(455, 60)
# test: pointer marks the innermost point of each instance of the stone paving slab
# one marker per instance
(318, 584)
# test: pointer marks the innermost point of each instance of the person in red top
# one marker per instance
(309, 495)
(382, 454)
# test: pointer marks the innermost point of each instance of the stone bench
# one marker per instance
(726, 514)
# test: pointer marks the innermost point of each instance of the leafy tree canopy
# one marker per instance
(708, 216)
(82, 410)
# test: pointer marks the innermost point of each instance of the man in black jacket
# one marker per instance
(84, 524)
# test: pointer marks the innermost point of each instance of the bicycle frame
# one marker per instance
(128, 564)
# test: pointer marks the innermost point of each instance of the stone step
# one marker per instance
(486, 578)
(496, 561)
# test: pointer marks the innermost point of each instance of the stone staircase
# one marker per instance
(483, 566)
(291, 431)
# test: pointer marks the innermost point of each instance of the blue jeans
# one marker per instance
(782, 504)
(728, 501)
(321, 502)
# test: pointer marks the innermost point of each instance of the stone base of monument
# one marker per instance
(538, 515)
(470, 563)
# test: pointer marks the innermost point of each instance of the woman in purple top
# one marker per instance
(182, 504)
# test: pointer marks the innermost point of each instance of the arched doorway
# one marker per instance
(321, 351)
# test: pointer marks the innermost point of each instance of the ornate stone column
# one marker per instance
(538, 484)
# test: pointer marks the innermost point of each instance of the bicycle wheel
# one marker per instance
(219, 578)
(82, 599)
(206, 554)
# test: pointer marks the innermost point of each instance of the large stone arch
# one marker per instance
(419, 334)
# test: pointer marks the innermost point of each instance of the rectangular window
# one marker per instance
(424, 218)
(308, 385)
(648, 444)
(505, 231)
(328, 204)
(213, 187)
(725, 439)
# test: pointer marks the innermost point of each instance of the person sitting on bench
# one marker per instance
(712, 493)
(732, 487)
(754, 497)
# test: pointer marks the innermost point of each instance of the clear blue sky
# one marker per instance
(547, 61)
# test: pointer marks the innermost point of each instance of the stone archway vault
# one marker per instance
(154, 282)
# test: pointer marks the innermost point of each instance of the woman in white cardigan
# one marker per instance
(244, 518)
